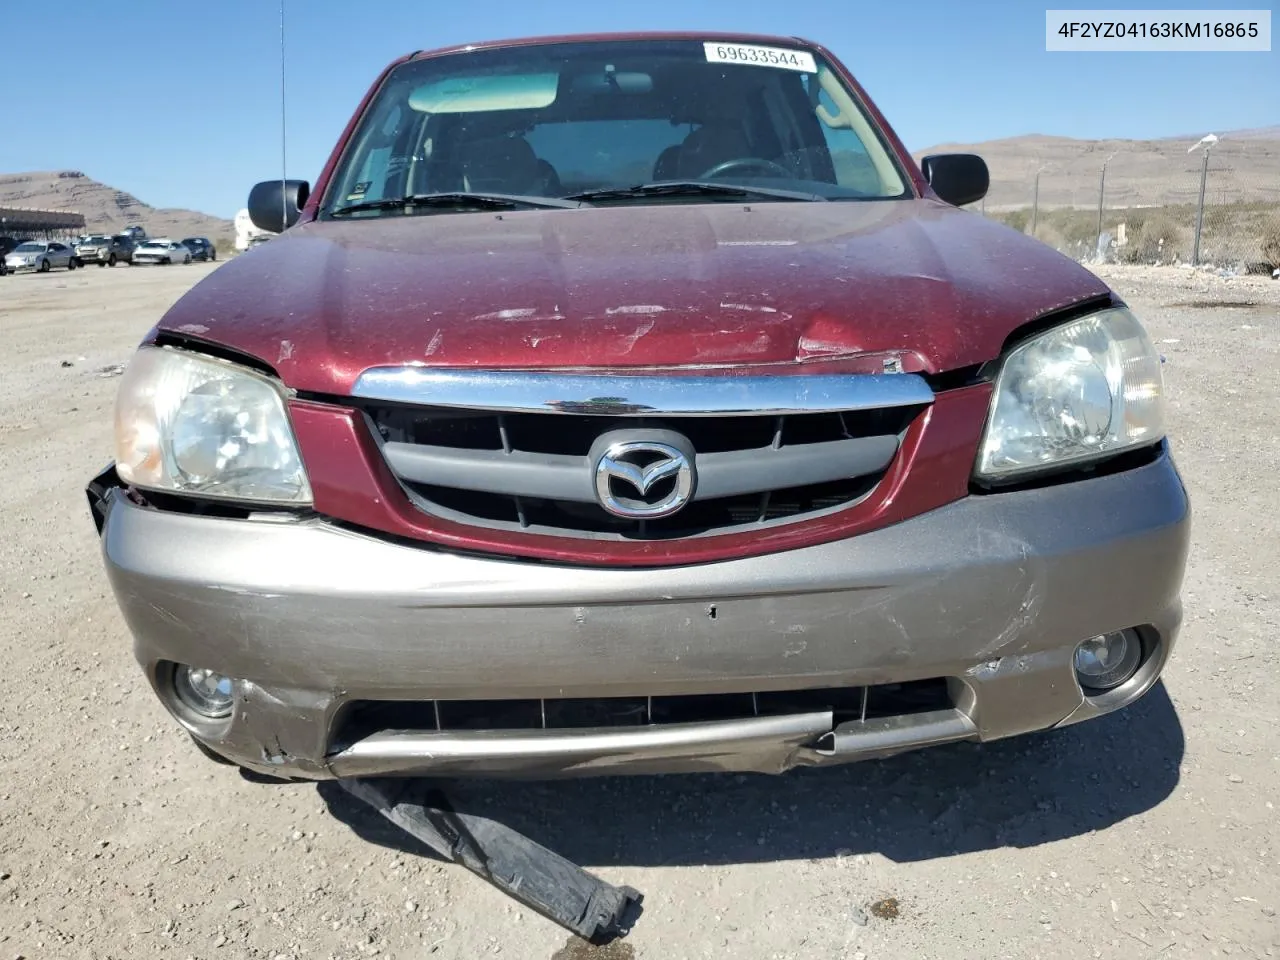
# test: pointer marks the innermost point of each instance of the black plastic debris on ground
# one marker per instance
(524, 870)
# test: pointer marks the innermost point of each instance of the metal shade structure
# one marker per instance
(27, 221)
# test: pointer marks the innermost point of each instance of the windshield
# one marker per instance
(562, 119)
(29, 248)
(152, 245)
(87, 240)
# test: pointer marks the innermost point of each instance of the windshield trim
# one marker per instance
(323, 199)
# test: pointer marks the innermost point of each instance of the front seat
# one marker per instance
(667, 166)
(500, 165)
(548, 184)
(710, 145)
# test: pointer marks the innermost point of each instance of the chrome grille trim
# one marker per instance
(516, 391)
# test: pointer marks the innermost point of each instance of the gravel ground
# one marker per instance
(1150, 833)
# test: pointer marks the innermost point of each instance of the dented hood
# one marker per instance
(699, 285)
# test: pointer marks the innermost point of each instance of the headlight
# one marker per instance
(1086, 389)
(193, 424)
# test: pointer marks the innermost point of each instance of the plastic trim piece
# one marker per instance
(558, 477)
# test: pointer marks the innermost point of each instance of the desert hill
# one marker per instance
(105, 209)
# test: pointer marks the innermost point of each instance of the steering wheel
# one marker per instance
(748, 163)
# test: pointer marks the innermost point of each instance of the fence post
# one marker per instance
(1035, 204)
(1204, 174)
(1102, 192)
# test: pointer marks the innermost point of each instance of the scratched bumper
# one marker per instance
(992, 592)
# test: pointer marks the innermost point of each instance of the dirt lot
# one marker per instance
(1151, 833)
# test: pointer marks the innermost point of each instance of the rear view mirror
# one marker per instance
(274, 205)
(958, 178)
(612, 82)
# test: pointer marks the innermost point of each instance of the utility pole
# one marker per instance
(1207, 142)
(1102, 192)
(1035, 197)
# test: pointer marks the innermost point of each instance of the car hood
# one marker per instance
(683, 285)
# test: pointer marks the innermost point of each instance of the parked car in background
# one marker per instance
(201, 248)
(105, 251)
(162, 250)
(41, 256)
(82, 244)
(6, 247)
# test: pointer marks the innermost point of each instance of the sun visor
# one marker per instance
(488, 92)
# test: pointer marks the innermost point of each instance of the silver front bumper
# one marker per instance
(992, 592)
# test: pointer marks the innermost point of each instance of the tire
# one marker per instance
(111, 260)
(44, 266)
(71, 264)
(187, 260)
(213, 255)
(167, 262)
(101, 264)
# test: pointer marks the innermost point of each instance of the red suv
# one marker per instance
(637, 404)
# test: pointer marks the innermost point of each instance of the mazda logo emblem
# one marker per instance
(643, 466)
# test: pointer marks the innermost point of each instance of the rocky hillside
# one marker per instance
(105, 209)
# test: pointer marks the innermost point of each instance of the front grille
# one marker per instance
(363, 718)
(858, 447)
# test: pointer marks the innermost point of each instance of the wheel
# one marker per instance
(71, 264)
(167, 262)
(111, 260)
(187, 259)
(44, 266)
(213, 254)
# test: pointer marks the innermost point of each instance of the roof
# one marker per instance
(16, 219)
(759, 38)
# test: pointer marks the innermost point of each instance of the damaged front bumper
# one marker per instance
(981, 602)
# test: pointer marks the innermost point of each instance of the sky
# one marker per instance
(179, 103)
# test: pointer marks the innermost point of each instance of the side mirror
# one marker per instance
(958, 178)
(274, 205)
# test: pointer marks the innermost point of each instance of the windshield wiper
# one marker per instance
(459, 201)
(690, 188)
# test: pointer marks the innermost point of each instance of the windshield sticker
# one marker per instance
(760, 56)
(359, 190)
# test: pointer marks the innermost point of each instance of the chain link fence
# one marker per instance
(1152, 202)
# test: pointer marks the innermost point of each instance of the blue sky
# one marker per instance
(185, 110)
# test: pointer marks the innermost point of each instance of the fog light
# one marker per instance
(207, 693)
(1105, 662)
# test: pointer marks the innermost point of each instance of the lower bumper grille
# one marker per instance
(363, 718)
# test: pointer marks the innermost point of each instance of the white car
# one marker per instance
(161, 250)
(41, 256)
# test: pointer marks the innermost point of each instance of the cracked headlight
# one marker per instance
(1087, 389)
(192, 424)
